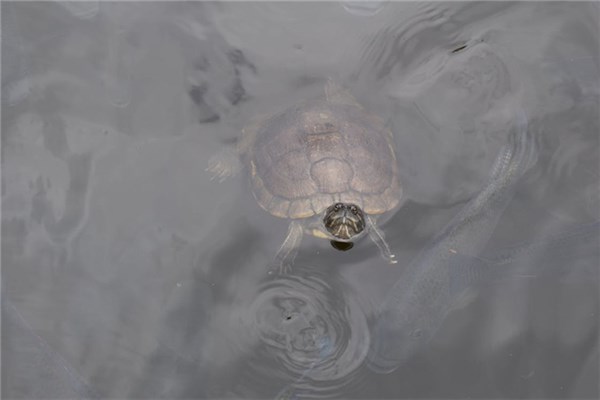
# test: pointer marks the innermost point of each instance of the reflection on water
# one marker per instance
(25, 351)
(363, 8)
(81, 9)
(127, 273)
(117, 79)
(416, 305)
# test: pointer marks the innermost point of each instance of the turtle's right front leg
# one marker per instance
(377, 236)
(288, 250)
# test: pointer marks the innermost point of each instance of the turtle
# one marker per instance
(325, 164)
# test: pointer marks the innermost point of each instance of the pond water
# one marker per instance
(128, 273)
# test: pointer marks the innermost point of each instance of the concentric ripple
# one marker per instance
(317, 335)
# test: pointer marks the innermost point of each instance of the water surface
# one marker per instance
(128, 273)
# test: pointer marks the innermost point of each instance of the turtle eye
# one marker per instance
(354, 210)
(338, 206)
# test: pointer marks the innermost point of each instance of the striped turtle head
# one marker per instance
(344, 221)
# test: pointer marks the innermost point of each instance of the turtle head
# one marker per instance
(344, 221)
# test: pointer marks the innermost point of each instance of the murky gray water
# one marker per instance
(128, 273)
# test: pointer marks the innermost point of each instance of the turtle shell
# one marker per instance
(320, 152)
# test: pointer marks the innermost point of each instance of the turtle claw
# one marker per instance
(285, 269)
(223, 165)
(280, 269)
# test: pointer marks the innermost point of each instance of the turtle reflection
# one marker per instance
(342, 246)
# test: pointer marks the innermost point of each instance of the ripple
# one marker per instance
(363, 8)
(313, 331)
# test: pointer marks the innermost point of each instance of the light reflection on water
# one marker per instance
(126, 267)
(364, 8)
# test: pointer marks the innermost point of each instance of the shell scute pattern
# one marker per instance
(318, 153)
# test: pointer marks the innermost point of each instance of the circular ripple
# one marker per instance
(314, 331)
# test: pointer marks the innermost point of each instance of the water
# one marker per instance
(419, 301)
(128, 273)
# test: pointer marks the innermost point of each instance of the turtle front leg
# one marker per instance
(376, 236)
(224, 164)
(288, 250)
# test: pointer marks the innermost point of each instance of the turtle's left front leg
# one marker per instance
(288, 250)
(224, 164)
(376, 235)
